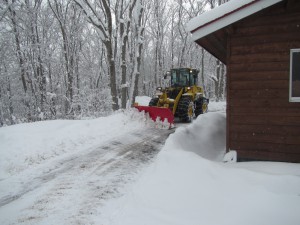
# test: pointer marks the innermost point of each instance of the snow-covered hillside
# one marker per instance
(80, 172)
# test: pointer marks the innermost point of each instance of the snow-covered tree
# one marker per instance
(77, 58)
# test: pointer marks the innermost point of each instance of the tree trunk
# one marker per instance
(222, 82)
(40, 69)
(202, 71)
(18, 46)
(124, 87)
(138, 67)
(112, 71)
(110, 57)
(10, 105)
(217, 81)
(124, 39)
(138, 42)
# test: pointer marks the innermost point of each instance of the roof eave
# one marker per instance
(229, 18)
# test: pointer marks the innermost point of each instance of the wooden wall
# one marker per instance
(262, 123)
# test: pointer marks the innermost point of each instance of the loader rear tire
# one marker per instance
(185, 109)
(153, 102)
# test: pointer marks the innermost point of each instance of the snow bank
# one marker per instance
(142, 100)
(25, 145)
(182, 187)
(205, 137)
(217, 106)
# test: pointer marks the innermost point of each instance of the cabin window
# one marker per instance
(295, 75)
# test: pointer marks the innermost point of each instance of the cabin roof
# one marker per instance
(224, 15)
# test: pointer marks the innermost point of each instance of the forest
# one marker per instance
(76, 59)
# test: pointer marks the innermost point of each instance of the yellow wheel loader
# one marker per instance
(182, 99)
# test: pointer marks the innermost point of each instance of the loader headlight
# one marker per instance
(189, 88)
(159, 89)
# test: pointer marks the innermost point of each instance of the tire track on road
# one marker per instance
(112, 162)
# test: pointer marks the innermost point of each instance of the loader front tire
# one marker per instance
(185, 109)
(153, 102)
(200, 106)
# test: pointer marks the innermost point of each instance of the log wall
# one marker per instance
(262, 123)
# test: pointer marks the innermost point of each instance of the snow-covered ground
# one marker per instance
(62, 172)
(25, 146)
(189, 184)
(94, 172)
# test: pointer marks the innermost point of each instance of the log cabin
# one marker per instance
(259, 42)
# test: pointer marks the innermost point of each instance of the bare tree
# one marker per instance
(138, 33)
(94, 12)
(73, 58)
(220, 67)
(35, 56)
(68, 17)
(125, 25)
(12, 17)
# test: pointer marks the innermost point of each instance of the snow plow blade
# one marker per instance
(157, 112)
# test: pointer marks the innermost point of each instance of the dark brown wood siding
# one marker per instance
(262, 123)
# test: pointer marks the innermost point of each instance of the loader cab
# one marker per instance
(183, 77)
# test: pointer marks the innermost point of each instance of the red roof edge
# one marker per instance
(227, 14)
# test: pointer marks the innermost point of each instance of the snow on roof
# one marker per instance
(225, 15)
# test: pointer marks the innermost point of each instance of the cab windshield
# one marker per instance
(183, 77)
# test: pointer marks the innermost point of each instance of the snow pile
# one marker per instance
(216, 106)
(230, 157)
(181, 187)
(205, 137)
(142, 100)
(24, 146)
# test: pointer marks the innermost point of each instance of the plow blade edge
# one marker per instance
(155, 112)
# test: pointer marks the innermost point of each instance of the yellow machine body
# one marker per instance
(183, 97)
